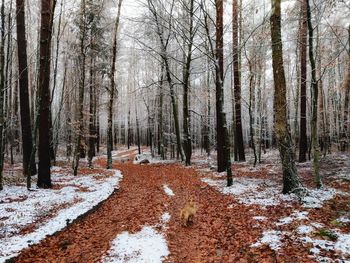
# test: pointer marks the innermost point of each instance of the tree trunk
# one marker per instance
(186, 86)
(44, 173)
(223, 146)
(239, 143)
(29, 166)
(2, 91)
(78, 146)
(314, 102)
(290, 176)
(303, 146)
(112, 91)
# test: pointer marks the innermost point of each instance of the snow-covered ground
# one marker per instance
(52, 209)
(145, 246)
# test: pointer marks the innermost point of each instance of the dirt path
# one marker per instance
(223, 230)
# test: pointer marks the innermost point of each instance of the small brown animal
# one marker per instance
(187, 213)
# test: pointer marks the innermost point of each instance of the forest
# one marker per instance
(149, 131)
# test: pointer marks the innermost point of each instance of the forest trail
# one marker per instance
(223, 229)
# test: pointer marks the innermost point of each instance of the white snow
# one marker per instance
(148, 245)
(35, 204)
(296, 215)
(168, 191)
(305, 229)
(165, 218)
(272, 238)
(260, 218)
(316, 198)
(251, 191)
(343, 219)
(145, 246)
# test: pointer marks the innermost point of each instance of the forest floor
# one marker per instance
(248, 222)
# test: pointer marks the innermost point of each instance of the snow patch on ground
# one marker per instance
(316, 197)
(272, 238)
(145, 246)
(296, 215)
(251, 191)
(305, 229)
(260, 218)
(168, 191)
(20, 208)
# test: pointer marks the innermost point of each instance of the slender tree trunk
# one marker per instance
(303, 145)
(347, 96)
(91, 144)
(29, 166)
(251, 102)
(223, 145)
(44, 173)
(112, 91)
(314, 102)
(2, 91)
(78, 146)
(239, 143)
(186, 85)
(290, 176)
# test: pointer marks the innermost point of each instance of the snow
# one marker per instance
(260, 218)
(272, 238)
(145, 246)
(343, 219)
(251, 191)
(343, 244)
(305, 229)
(296, 215)
(17, 214)
(165, 218)
(316, 197)
(168, 191)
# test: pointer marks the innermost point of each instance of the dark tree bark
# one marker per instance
(314, 102)
(2, 91)
(164, 56)
(290, 176)
(44, 173)
(239, 143)
(112, 91)
(303, 147)
(91, 141)
(186, 85)
(347, 98)
(29, 166)
(223, 146)
(78, 144)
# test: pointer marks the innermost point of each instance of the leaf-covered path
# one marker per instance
(223, 230)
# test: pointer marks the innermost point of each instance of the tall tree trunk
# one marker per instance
(44, 173)
(112, 91)
(223, 145)
(239, 143)
(78, 146)
(29, 166)
(2, 91)
(314, 102)
(303, 146)
(91, 141)
(290, 177)
(186, 85)
(165, 59)
(347, 96)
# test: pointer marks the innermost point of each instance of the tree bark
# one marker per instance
(303, 146)
(186, 86)
(314, 92)
(290, 177)
(78, 146)
(112, 91)
(44, 173)
(29, 166)
(239, 143)
(2, 91)
(223, 146)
